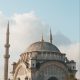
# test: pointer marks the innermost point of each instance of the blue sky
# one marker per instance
(61, 15)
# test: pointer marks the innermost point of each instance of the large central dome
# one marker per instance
(42, 46)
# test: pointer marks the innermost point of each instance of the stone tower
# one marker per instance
(6, 55)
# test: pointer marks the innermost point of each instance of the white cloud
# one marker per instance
(25, 29)
(73, 53)
(61, 39)
(72, 50)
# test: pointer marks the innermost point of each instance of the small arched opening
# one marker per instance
(52, 78)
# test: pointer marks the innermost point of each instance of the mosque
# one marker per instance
(41, 61)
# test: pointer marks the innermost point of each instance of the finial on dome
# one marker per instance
(50, 36)
(42, 41)
(42, 38)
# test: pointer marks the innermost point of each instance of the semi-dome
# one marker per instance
(42, 46)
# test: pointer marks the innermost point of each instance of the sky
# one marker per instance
(63, 15)
(29, 19)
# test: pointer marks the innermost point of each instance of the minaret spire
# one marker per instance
(6, 55)
(42, 41)
(50, 36)
(42, 38)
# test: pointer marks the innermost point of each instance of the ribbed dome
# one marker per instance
(42, 46)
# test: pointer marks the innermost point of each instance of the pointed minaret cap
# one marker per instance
(50, 36)
(8, 28)
(42, 41)
(7, 36)
(42, 38)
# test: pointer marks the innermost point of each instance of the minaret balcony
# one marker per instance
(6, 56)
(7, 45)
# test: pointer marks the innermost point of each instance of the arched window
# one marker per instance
(37, 65)
(52, 78)
(9, 79)
(18, 78)
(26, 78)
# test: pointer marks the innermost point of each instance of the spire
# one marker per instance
(6, 55)
(50, 36)
(42, 38)
(42, 41)
(8, 27)
(7, 34)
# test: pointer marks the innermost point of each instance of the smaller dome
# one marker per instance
(43, 46)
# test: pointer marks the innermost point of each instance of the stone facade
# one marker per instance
(44, 61)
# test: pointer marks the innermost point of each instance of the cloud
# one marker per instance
(27, 28)
(73, 53)
(61, 39)
(72, 49)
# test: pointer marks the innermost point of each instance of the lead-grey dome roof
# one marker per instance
(43, 46)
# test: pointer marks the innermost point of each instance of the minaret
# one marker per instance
(42, 41)
(42, 38)
(50, 36)
(6, 55)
